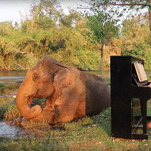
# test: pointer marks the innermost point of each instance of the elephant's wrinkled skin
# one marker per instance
(70, 93)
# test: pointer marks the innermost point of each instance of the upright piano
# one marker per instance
(129, 86)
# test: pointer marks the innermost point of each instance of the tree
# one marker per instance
(136, 39)
(43, 15)
(103, 27)
(127, 5)
(69, 20)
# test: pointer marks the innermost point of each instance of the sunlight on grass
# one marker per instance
(84, 134)
(11, 112)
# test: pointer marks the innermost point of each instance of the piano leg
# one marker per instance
(144, 114)
(143, 117)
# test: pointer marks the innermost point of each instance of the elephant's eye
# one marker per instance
(35, 76)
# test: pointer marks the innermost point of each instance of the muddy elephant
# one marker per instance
(70, 93)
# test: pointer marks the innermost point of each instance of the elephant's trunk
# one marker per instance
(23, 106)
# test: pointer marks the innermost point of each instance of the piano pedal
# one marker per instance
(137, 126)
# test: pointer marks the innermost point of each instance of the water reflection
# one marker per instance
(12, 80)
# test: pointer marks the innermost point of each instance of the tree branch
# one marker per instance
(18, 51)
(130, 4)
(115, 4)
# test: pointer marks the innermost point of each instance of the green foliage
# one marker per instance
(71, 39)
(136, 40)
(46, 33)
(83, 54)
(102, 26)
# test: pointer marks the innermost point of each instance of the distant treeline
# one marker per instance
(67, 38)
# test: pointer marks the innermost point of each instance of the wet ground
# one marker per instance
(12, 132)
(11, 80)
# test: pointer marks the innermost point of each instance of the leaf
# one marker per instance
(137, 9)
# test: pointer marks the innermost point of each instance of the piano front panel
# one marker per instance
(125, 86)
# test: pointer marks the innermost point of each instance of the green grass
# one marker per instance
(107, 81)
(4, 104)
(12, 112)
(2, 85)
(86, 134)
(83, 134)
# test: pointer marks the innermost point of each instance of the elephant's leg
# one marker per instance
(49, 105)
(50, 102)
(61, 113)
(68, 112)
(46, 115)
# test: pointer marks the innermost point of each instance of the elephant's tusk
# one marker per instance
(27, 96)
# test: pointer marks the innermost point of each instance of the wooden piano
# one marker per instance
(129, 86)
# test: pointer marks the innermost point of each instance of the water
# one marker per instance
(7, 131)
(12, 80)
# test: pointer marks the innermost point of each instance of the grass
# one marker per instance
(86, 134)
(107, 81)
(83, 134)
(2, 85)
(12, 112)
(4, 104)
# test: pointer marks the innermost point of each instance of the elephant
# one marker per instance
(69, 92)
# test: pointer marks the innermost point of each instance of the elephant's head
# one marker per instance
(39, 82)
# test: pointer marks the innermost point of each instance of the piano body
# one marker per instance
(128, 83)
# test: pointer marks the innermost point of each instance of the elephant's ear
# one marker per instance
(62, 80)
(61, 65)
(57, 63)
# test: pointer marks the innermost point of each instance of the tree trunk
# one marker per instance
(102, 66)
